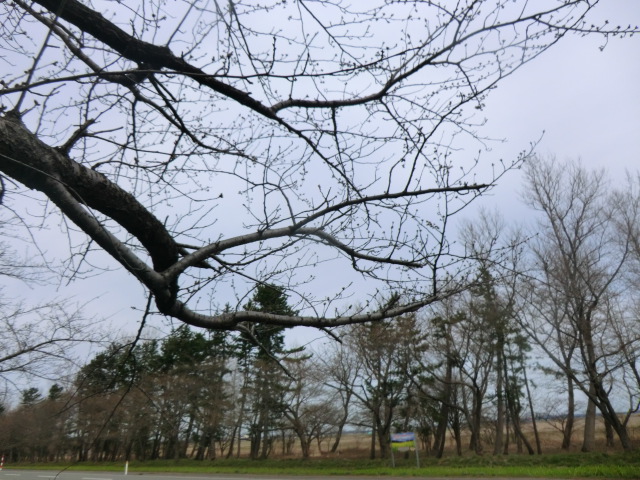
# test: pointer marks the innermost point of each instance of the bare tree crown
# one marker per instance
(210, 143)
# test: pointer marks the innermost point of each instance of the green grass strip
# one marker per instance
(575, 465)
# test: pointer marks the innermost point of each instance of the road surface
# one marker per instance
(9, 474)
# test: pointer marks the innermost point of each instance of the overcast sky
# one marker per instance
(579, 101)
(587, 102)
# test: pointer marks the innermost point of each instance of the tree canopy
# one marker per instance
(203, 145)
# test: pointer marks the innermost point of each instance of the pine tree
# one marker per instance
(264, 385)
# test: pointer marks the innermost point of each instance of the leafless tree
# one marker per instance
(203, 144)
(341, 372)
(310, 409)
(38, 340)
(489, 343)
(624, 310)
(579, 259)
(388, 353)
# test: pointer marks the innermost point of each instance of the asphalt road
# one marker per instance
(8, 474)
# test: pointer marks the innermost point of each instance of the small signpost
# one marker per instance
(403, 442)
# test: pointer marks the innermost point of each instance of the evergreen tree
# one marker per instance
(494, 314)
(268, 339)
(190, 390)
(30, 396)
(55, 392)
(264, 385)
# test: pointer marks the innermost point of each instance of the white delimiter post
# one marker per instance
(126, 468)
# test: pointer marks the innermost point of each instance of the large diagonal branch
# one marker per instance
(134, 49)
(161, 57)
(299, 229)
(71, 185)
(216, 248)
(232, 321)
(144, 53)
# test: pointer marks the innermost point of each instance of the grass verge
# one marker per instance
(596, 465)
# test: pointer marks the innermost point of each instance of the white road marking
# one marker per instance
(95, 478)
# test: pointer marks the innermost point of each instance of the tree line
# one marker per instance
(556, 305)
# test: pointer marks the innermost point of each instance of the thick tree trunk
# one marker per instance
(383, 430)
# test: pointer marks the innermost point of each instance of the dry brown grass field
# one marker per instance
(357, 445)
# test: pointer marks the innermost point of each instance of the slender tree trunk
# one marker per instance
(475, 443)
(343, 419)
(239, 451)
(187, 437)
(457, 434)
(256, 439)
(517, 428)
(499, 440)
(596, 389)
(609, 433)
(372, 451)
(534, 423)
(588, 440)
(611, 417)
(267, 445)
(567, 431)
(284, 442)
(507, 437)
(232, 441)
(522, 437)
(336, 442)
(441, 431)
